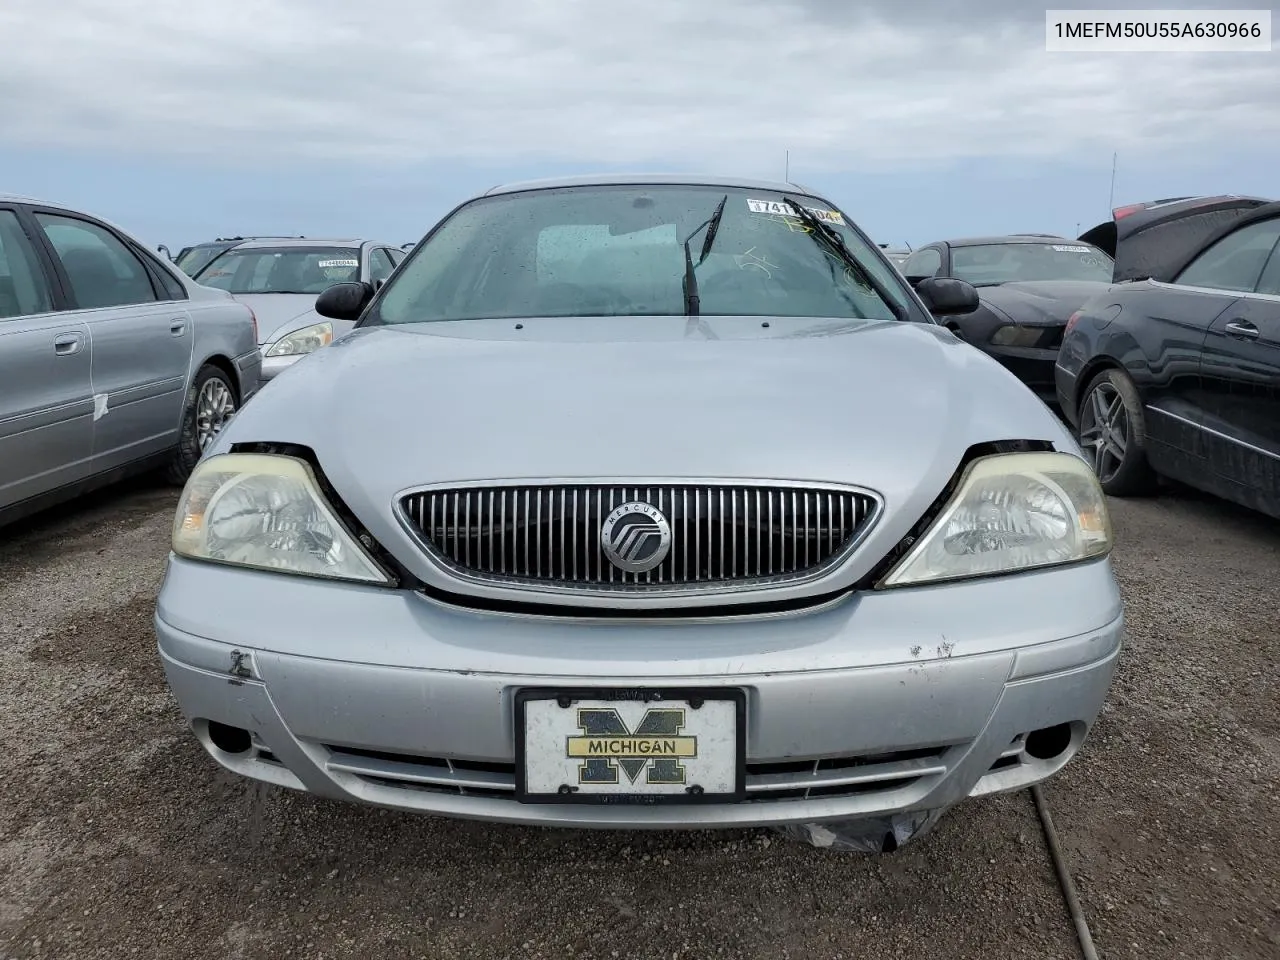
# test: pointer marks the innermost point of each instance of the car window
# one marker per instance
(173, 290)
(1269, 282)
(380, 265)
(619, 251)
(23, 287)
(1235, 262)
(197, 258)
(922, 263)
(103, 272)
(990, 264)
(307, 270)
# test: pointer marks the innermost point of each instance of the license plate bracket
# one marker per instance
(630, 745)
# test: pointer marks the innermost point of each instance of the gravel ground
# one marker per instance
(123, 839)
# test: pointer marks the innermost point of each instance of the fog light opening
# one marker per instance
(229, 739)
(1049, 742)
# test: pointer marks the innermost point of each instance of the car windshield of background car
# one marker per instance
(195, 259)
(618, 251)
(281, 269)
(989, 264)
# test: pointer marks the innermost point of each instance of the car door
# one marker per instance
(1240, 368)
(141, 336)
(46, 402)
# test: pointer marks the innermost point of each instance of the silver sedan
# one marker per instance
(112, 361)
(279, 278)
(645, 503)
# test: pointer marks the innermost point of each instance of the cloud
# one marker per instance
(727, 85)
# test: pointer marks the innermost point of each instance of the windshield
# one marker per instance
(281, 269)
(194, 260)
(619, 251)
(988, 264)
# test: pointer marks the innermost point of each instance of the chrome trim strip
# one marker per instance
(872, 773)
(1216, 291)
(1217, 433)
(411, 772)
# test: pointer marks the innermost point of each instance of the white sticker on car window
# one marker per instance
(779, 209)
(338, 263)
(1067, 248)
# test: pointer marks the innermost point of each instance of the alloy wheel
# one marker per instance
(1104, 430)
(214, 407)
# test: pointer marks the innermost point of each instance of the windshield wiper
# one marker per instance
(692, 303)
(713, 227)
(826, 236)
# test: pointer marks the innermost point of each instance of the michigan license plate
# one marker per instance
(630, 745)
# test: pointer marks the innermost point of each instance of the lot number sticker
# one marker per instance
(777, 208)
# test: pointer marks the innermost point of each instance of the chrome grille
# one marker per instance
(720, 533)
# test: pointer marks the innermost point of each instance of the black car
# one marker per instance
(1177, 374)
(1028, 285)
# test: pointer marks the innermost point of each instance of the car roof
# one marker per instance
(18, 198)
(1007, 238)
(1266, 211)
(645, 179)
(259, 242)
(1155, 239)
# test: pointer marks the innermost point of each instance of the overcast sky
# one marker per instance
(921, 118)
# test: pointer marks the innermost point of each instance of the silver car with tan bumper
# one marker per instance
(644, 503)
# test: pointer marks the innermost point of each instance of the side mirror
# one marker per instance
(165, 250)
(344, 301)
(377, 284)
(946, 297)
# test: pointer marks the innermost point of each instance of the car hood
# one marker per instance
(1040, 302)
(278, 313)
(885, 405)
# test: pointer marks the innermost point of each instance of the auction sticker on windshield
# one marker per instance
(1068, 248)
(338, 263)
(630, 746)
(779, 209)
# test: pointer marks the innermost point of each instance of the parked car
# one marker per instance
(897, 255)
(1142, 237)
(191, 260)
(1178, 374)
(280, 279)
(644, 502)
(111, 360)
(1028, 284)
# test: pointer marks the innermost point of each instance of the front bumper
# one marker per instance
(1065, 387)
(1034, 366)
(271, 366)
(878, 704)
(249, 371)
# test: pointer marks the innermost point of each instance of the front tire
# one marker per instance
(211, 402)
(1113, 435)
